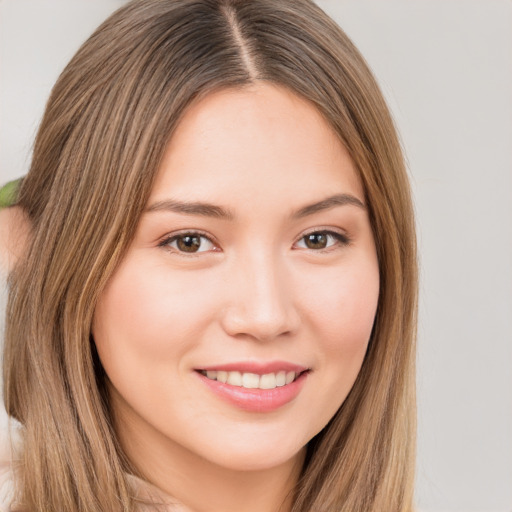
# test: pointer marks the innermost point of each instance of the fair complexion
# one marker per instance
(254, 256)
(14, 231)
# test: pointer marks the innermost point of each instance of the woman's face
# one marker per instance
(239, 318)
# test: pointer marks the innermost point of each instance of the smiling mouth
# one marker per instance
(252, 380)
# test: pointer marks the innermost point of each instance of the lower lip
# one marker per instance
(256, 400)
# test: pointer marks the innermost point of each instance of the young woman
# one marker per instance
(214, 308)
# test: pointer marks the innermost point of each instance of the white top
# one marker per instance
(9, 445)
(6, 487)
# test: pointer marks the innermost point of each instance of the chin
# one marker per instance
(258, 461)
(255, 453)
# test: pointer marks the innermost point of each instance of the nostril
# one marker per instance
(260, 322)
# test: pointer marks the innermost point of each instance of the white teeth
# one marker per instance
(234, 378)
(268, 381)
(252, 380)
(290, 377)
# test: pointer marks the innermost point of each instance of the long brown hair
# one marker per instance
(106, 125)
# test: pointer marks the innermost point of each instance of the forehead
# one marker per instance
(260, 140)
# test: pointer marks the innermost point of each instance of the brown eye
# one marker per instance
(319, 240)
(189, 243)
(316, 241)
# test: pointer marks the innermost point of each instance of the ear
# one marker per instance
(14, 233)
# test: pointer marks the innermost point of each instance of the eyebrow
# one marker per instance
(191, 208)
(211, 210)
(328, 203)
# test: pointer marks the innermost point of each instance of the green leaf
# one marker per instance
(9, 193)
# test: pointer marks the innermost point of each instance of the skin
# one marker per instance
(14, 230)
(255, 291)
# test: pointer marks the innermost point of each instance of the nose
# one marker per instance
(262, 304)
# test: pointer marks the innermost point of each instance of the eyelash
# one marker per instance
(165, 243)
(340, 239)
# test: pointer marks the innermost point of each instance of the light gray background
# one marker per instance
(446, 69)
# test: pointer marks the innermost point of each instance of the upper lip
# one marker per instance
(257, 367)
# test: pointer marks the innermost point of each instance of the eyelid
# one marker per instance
(170, 237)
(340, 236)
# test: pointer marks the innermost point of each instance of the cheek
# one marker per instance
(345, 310)
(342, 317)
(144, 312)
